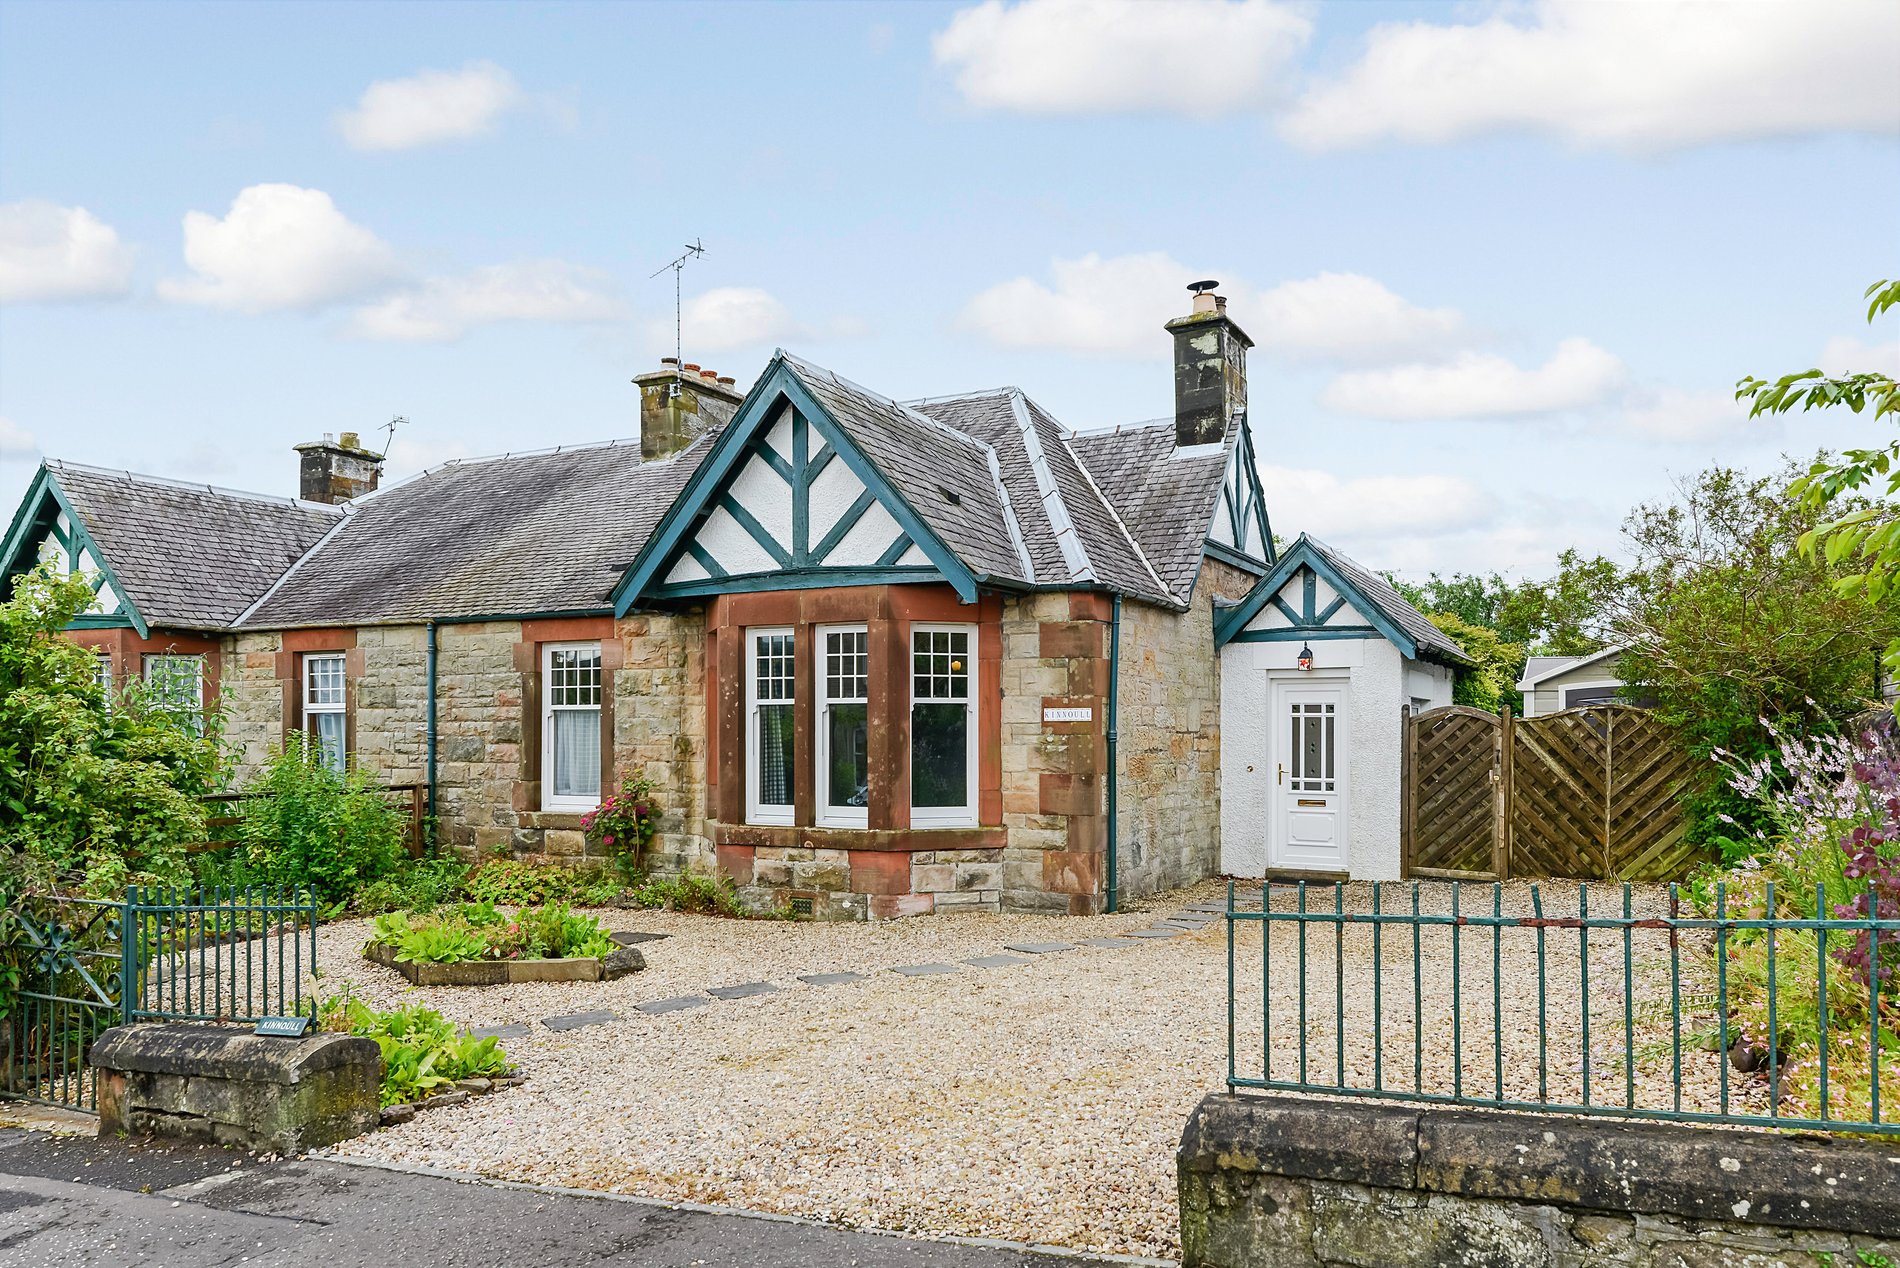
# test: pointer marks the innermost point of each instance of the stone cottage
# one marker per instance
(881, 658)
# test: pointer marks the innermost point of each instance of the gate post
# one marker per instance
(129, 965)
(1408, 796)
(1501, 837)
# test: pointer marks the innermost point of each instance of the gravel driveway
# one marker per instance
(1040, 1101)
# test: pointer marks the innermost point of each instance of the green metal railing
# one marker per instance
(159, 954)
(1638, 1010)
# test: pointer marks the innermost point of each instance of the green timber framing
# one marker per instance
(1243, 504)
(37, 518)
(802, 566)
(1309, 621)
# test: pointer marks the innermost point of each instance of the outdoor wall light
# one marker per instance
(1306, 656)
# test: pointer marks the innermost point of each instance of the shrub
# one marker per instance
(112, 789)
(422, 1053)
(519, 883)
(422, 885)
(625, 821)
(308, 825)
(705, 895)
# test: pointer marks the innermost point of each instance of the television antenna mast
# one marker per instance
(389, 428)
(694, 250)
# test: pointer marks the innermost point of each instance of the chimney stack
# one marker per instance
(678, 402)
(1210, 369)
(332, 470)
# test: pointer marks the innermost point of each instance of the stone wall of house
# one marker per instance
(389, 703)
(1055, 655)
(251, 700)
(1168, 741)
(660, 728)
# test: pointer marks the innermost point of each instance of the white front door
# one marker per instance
(1309, 781)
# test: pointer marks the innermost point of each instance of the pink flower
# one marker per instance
(607, 840)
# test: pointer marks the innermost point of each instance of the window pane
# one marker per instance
(329, 731)
(577, 753)
(940, 665)
(323, 680)
(775, 754)
(177, 684)
(574, 677)
(773, 667)
(847, 666)
(939, 755)
(849, 779)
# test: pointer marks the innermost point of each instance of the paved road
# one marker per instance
(75, 1201)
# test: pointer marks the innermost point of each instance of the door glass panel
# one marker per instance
(1312, 747)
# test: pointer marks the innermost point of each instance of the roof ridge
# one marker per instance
(1075, 552)
(189, 486)
(918, 416)
(1120, 523)
(348, 513)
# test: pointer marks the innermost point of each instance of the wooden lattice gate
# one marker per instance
(1586, 793)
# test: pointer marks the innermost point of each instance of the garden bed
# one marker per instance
(506, 972)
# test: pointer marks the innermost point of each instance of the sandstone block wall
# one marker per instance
(1292, 1182)
(1168, 743)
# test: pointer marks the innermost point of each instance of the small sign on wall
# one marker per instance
(1083, 714)
(283, 1027)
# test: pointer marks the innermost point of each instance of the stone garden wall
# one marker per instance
(1291, 1182)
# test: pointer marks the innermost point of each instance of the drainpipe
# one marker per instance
(431, 719)
(1114, 770)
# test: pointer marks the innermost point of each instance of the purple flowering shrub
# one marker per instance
(1835, 848)
(624, 822)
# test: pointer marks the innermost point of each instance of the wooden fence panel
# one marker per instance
(1588, 794)
(1453, 798)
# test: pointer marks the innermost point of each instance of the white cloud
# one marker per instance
(442, 309)
(280, 246)
(1112, 307)
(1194, 57)
(1649, 75)
(1346, 317)
(16, 441)
(1361, 507)
(1845, 354)
(730, 317)
(430, 106)
(1479, 385)
(1673, 414)
(49, 252)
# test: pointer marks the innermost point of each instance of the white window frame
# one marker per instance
(314, 708)
(193, 709)
(755, 810)
(964, 816)
(550, 800)
(828, 815)
(102, 674)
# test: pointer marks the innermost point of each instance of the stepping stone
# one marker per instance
(745, 990)
(1039, 948)
(629, 939)
(574, 1021)
(1110, 942)
(1153, 933)
(1175, 922)
(1214, 907)
(831, 979)
(923, 970)
(673, 1005)
(996, 961)
(513, 1030)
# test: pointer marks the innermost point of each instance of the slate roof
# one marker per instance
(1379, 592)
(189, 556)
(1166, 499)
(549, 531)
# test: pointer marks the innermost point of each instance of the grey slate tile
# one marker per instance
(673, 1005)
(995, 961)
(923, 970)
(1039, 948)
(575, 1021)
(1111, 943)
(831, 979)
(512, 1030)
(744, 990)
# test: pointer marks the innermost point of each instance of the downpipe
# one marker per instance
(1114, 768)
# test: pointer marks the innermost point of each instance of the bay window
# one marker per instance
(324, 717)
(943, 732)
(771, 682)
(844, 699)
(570, 726)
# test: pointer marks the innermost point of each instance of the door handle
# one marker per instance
(1279, 776)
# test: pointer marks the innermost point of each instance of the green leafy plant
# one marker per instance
(517, 882)
(305, 824)
(422, 885)
(422, 1053)
(690, 891)
(481, 931)
(113, 788)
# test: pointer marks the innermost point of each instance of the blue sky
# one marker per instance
(1494, 306)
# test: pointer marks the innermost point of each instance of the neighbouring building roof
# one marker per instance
(188, 556)
(548, 531)
(1543, 668)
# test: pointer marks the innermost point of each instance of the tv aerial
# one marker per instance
(694, 250)
(389, 433)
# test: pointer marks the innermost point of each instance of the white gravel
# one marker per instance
(1041, 1102)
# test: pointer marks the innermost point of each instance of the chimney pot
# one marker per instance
(709, 375)
(1210, 370)
(333, 472)
(726, 380)
(673, 361)
(691, 367)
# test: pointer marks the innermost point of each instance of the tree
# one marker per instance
(1492, 684)
(113, 788)
(1864, 542)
